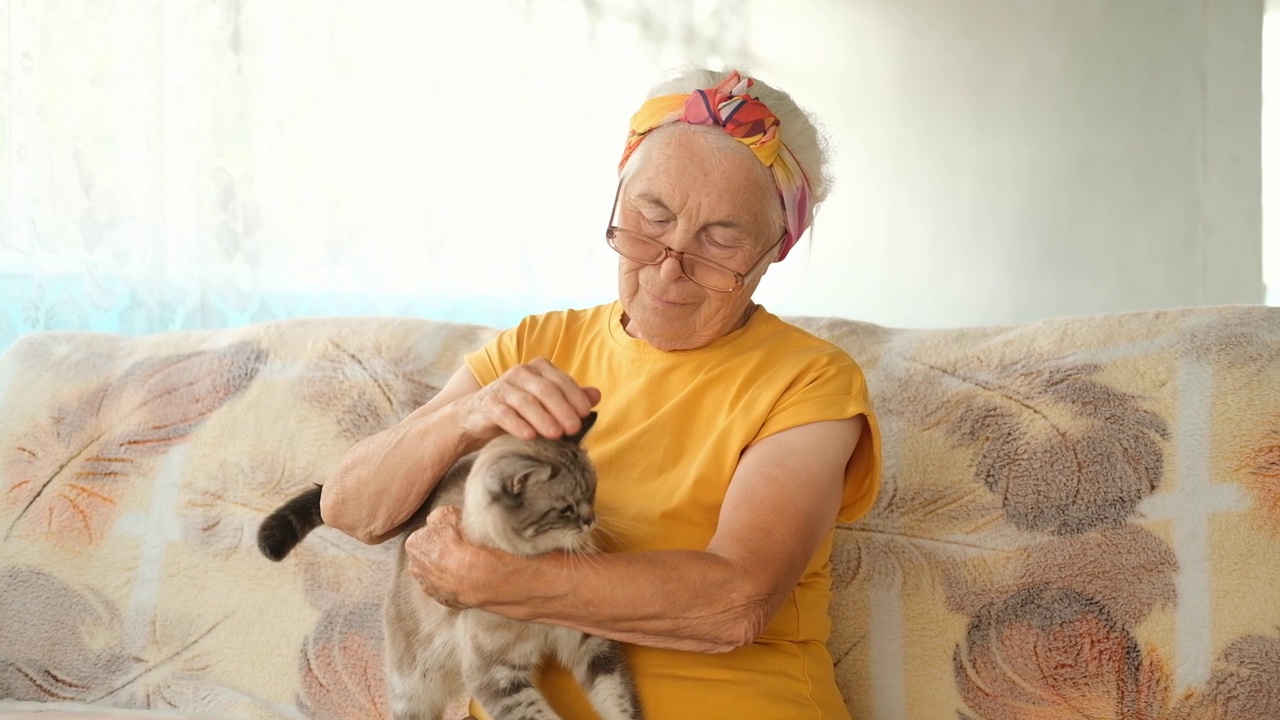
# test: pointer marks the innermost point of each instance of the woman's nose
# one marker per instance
(669, 270)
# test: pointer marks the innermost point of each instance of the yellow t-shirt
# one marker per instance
(670, 430)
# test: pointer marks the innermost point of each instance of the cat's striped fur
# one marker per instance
(523, 497)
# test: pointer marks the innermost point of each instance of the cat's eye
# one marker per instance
(568, 511)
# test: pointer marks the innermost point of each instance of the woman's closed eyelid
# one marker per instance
(730, 247)
(653, 219)
(657, 218)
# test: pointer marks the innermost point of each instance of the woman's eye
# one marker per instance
(568, 511)
(720, 250)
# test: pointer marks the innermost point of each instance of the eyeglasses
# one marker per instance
(707, 273)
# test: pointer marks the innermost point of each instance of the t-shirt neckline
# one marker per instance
(759, 318)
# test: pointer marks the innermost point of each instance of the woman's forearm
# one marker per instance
(383, 479)
(674, 599)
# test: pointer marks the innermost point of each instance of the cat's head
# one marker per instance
(533, 496)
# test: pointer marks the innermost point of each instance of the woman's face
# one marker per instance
(706, 199)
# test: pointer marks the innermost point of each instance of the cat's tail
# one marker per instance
(285, 528)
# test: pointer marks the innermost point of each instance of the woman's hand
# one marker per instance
(528, 400)
(384, 478)
(443, 562)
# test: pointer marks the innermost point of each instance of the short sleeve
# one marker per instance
(536, 335)
(834, 390)
(862, 474)
(506, 350)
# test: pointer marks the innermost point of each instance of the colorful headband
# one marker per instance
(743, 117)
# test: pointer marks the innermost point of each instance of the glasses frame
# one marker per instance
(739, 279)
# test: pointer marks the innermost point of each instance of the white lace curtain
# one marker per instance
(172, 164)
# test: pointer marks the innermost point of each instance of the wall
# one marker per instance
(199, 163)
(1006, 161)
(1271, 151)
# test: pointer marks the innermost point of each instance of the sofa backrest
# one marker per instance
(1079, 515)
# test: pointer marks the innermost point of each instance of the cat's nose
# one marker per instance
(588, 519)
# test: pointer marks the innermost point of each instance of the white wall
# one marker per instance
(1271, 152)
(1004, 161)
(171, 164)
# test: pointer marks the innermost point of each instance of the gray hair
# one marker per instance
(798, 130)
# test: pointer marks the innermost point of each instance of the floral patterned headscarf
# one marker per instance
(729, 106)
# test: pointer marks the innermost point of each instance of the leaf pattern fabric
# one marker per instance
(1079, 519)
(342, 665)
(1260, 463)
(43, 619)
(132, 481)
(1045, 653)
(63, 476)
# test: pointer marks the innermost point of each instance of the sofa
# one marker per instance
(1080, 518)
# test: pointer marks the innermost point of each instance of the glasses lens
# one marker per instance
(650, 252)
(708, 275)
(635, 247)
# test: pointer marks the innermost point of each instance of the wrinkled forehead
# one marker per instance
(690, 166)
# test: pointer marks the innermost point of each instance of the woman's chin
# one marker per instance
(662, 320)
(666, 333)
(668, 305)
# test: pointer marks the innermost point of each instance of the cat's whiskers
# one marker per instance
(614, 530)
(607, 519)
(580, 558)
(586, 542)
(571, 561)
(608, 534)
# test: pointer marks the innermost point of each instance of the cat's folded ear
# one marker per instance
(513, 486)
(587, 422)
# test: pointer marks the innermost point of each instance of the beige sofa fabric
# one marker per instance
(1080, 517)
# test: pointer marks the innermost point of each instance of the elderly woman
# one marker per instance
(728, 444)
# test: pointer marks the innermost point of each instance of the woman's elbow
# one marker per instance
(742, 626)
(331, 508)
(336, 513)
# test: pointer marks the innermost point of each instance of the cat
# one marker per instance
(525, 497)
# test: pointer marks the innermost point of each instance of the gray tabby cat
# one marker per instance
(523, 497)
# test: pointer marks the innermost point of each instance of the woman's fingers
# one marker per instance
(559, 396)
(538, 398)
(433, 551)
(579, 403)
(508, 420)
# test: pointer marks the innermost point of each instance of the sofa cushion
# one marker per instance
(1079, 515)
